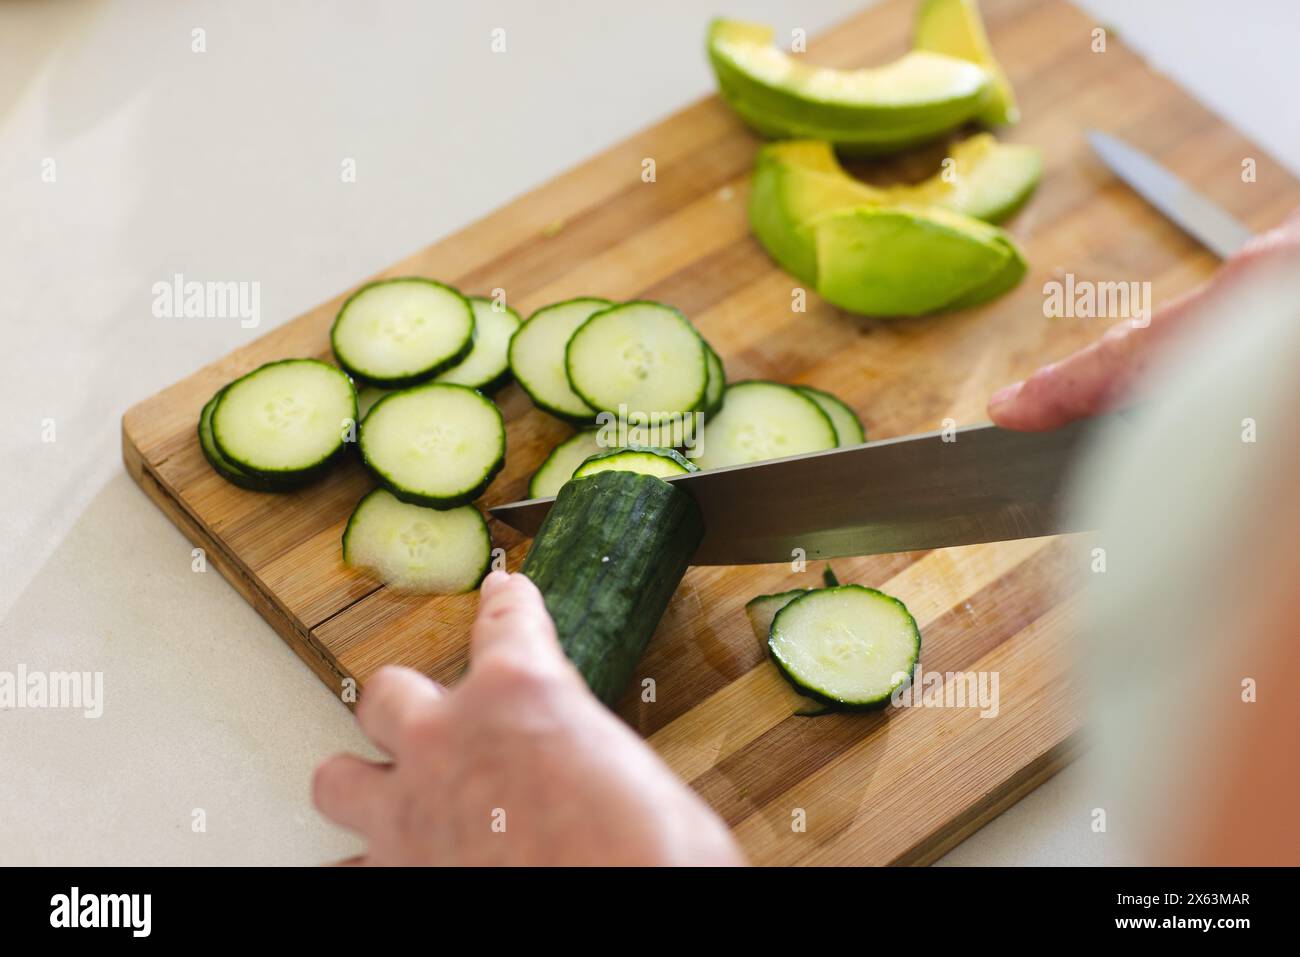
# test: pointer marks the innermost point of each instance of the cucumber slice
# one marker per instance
(764, 420)
(487, 367)
(560, 464)
(848, 427)
(435, 444)
(418, 549)
(285, 421)
(537, 358)
(849, 646)
(367, 397)
(761, 609)
(717, 383)
(228, 470)
(398, 332)
(647, 461)
(642, 356)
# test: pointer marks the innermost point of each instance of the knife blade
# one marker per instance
(1201, 219)
(975, 484)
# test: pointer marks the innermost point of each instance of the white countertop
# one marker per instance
(225, 165)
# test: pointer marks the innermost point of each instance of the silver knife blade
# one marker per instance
(1201, 219)
(979, 484)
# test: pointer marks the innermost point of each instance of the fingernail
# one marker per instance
(1005, 394)
(495, 579)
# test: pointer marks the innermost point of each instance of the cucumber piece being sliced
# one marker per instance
(643, 356)
(228, 470)
(418, 549)
(607, 559)
(849, 646)
(560, 464)
(487, 367)
(647, 461)
(829, 578)
(764, 420)
(435, 444)
(848, 427)
(537, 358)
(717, 383)
(285, 421)
(397, 332)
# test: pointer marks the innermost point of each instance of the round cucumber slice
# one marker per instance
(487, 367)
(662, 463)
(560, 464)
(228, 470)
(848, 427)
(398, 332)
(850, 646)
(416, 549)
(537, 358)
(285, 421)
(764, 420)
(642, 356)
(717, 383)
(435, 444)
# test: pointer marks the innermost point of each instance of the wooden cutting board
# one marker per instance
(897, 787)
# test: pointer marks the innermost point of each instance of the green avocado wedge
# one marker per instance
(905, 261)
(940, 252)
(917, 97)
(955, 28)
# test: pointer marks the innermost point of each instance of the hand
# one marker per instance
(1107, 373)
(518, 764)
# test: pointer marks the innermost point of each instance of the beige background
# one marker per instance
(225, 165)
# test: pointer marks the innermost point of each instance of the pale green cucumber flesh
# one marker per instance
(285, 420)
(849, 646)
(416, 549)
(764, 420)
(660, 462)
(395, 333)
(560, 464)
(848, 427)
(435, 444)
(537, 355)
(487, 367)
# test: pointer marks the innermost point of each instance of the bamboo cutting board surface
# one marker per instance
(897, 787)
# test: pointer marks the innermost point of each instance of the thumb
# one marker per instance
(512, 620)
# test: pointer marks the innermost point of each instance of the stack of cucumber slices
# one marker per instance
(846, 647)
(424, 357)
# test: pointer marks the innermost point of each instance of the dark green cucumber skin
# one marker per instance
(712, 404)
(829, 577)
(828, 700)
(286, 478)
(228, 471)
(412, 497)
(606, 610)
(415, 378)
(671, 454)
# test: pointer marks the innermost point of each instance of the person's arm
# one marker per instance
(518, 764)
(1111, 371)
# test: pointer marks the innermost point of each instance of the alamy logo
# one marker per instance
(78, 690)
(667, 430)
(1085, 299)
(949, 689)
(191, 299)
(75, 909)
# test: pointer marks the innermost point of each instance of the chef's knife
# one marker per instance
(975, 484)
(1189, 210)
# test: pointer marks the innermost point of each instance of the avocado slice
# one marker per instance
(906, 261)
(955, 28)
(796, 181)
(917, 97)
